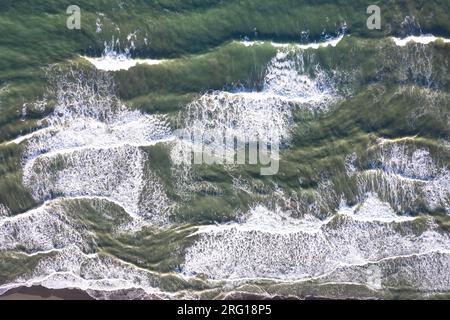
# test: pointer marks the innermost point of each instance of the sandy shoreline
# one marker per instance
(42, 293)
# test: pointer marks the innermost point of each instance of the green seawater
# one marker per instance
(92, 196)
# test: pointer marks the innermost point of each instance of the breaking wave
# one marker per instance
(114, 59)
(271, 244)
(93, 146)
(71, 268)
(266, 115)
(406, 176)
(423, 39)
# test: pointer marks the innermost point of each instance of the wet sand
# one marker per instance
(42, 293)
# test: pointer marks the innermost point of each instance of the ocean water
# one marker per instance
(98, 192)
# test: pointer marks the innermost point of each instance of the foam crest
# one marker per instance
(287, 77)
(266, 114)
(133, 129)
(423, 272)
(42, 229)
(418, 165)
(373, 209)
(242, 115)
(115, 59)
(314, 45)
(422, 39)
(404, 175)
(4, 210)
(272, 245)
(116, 62)
(92, 146)
(71, 268)
(55, 225)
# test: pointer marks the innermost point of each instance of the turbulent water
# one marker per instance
(270, 244)
(106, 219)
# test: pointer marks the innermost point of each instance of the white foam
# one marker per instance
(420, 272)
(114, 58)
(276, 221)
(71, 268)
(41, 229)
(405, 174)
(51, 226)
(129, 128)
(373, 209)
(423, 39)
(243, 115)
(25, 137)
(270, 244)
(65, 250)
(315, 45)
(286, 78)
(117, 62)
(266, 114)
(93, 147)
(4, 210)
(419, 165)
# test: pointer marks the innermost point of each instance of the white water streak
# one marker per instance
(423, 39)
(271, 244)
(333, 42)
(116, 63)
